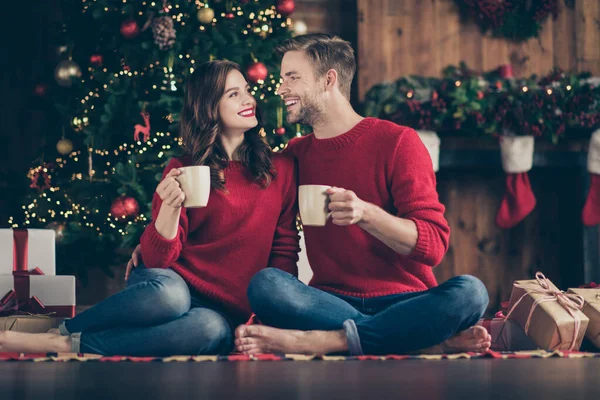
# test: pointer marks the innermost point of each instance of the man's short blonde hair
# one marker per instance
(325, 52)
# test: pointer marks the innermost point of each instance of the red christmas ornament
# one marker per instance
(434, 95)
(257, 72)
(285, 7)
(505, 71)
(40, 89)
(229, 15)
(280, 130)
(129, 29)
(96, 59)
(125, 207)
(498, 85)
(480, 95)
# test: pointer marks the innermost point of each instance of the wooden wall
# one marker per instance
(403, 37)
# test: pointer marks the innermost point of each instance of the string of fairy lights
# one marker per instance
(65, 208)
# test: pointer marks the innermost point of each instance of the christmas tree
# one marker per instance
(118, 91)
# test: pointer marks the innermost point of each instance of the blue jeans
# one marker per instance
(395, 324)
(155, 315)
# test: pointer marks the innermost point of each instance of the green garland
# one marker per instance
(516, 20)
(465, 103)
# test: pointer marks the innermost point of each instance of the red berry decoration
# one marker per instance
(257, 72)
(96, 59)
(285, 7)
(129, 29)
(280, 131)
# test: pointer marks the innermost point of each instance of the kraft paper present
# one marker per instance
(29, 323)
(552, 318)
(592, 310)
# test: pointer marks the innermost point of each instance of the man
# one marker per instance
(373, 289)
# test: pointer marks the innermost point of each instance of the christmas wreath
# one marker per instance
(516, 20)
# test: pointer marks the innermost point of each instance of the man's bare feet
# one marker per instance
(19, 342)
(475, 339)
(255, 339)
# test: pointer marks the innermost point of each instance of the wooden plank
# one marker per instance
(587, 25)
(371, 55)
(447, 33)
(470, 45)
(563, 37)
(423, 48)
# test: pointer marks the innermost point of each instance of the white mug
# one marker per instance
(313, 203)
(195, 183)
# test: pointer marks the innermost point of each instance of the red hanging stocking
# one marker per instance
(591, 210)
(519, 200)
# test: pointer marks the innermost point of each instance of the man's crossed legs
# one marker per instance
(302, 319)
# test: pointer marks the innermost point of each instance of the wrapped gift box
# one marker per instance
(592, 310)
(27, 249)
(55, 293)
(553, 319)
(507, 335)
(29, 323)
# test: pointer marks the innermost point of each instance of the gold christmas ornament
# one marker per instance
(65, 71)
(206, 15)
(64, 146)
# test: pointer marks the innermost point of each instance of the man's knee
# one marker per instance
(473, 293)
(211, 332)
(265, 284)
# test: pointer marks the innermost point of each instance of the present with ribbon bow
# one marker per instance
(27, 249)
(591, 309)
(506, 335)
(551, 317)
(34, 293)
(29, 323)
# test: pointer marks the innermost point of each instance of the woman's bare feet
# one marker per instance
(475, 339)
(254, 339)
(19, 342)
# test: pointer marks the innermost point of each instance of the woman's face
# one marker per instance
(237, 107)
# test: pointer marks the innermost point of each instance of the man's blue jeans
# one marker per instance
(156, 315)
(395, 324)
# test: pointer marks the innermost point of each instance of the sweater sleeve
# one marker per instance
(157, 251)
(285, 248)
(413, 188)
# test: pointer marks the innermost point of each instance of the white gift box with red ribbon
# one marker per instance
(27, 249)
(38, 294)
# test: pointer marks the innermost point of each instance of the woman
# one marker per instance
(190, 294)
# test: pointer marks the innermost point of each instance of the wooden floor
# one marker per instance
(414, 379)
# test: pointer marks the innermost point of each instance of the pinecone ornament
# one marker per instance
(163, 32)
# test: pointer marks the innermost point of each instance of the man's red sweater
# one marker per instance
(387, 165)
(220, 247)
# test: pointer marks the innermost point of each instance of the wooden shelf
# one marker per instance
(485, 152)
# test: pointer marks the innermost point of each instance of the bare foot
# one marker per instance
(475, 339)
(20, 342)
(255, 339)
(54, 331)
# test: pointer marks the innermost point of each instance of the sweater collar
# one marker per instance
(345, 138)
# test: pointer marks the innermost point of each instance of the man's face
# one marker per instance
(301, 90)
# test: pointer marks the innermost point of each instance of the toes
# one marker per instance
(246, 347)
(243, 341)
(240, 331)
(478, 332)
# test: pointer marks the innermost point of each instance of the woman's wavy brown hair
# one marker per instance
(199, 127)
